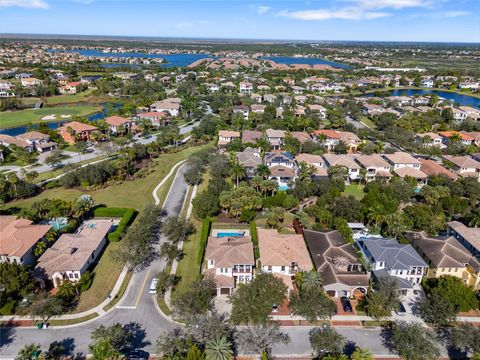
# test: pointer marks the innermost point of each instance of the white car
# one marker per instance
(153, 286)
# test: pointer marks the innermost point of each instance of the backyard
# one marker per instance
(355, 190)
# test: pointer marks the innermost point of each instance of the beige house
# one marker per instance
(72, 254)
(230, 261)
(18, 238)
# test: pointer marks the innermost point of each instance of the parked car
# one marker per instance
(347, 305)
(401, 310)
(153, 286)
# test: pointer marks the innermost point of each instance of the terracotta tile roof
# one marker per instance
(463, 161)
(400, 157)
(301, 136)
(309, 158)
(283, 249)
(229, 251)
(10, 140)
(408, 171)
(272, 133)
(331, 134)
(341, 160)
(17, 236)
(229, 134)
(77, 127)
(431, 168)
(116, 120)
(374, 160)
(33, 135)
(282, 171)
(463, 135)
(251, 136)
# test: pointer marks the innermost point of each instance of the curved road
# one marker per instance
(137, 305)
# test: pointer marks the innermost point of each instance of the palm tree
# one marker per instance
(67, 290)
(256, 181)
(238, 171)
(31, 176)
(379, 147)
(13, 179)
(311, 280)
(218, 348)
(263, 171)
(361, 354)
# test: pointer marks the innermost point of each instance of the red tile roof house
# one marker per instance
(72, 254)
(230, 261)
(159, 119)
(18, 238)
(119, 125)
(73, 131)
(70, 88)
(283, 255)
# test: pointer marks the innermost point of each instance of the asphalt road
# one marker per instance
(136, 306)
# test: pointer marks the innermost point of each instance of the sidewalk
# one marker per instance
(97, 309)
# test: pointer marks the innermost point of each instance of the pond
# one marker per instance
(56, 124)
(461, 99)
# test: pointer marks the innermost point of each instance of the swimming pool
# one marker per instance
(283, 187)
(231, 233)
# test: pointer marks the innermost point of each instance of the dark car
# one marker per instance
(401, 310)
(347, 305)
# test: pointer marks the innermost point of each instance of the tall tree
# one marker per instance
(412, 341)
(259, 339)
(325, 340)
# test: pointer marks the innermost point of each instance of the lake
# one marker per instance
(463, 100)
(56, 124)
(305, 60)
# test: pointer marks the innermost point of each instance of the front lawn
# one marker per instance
(10, 119)
(355, 190)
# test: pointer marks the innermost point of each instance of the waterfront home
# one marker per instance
(375, 165)
(337, 264)
(275, 138)
(345, 161)
(446, 256)
(72, 254)
(428, 83)
(119, 125)
(170, 105)
(69, 88)
(38, 141)
(7, 141)
(471, 112)
(283, 255)
(251, 136)
(73, 131)
(18, 238)
(469, 237)
(250, 160)
(389, 258)
(229, 260)
(225, 137)
(463, 166)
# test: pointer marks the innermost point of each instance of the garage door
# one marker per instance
(331, 293)
(225, 291)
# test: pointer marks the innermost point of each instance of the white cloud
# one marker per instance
(39, 4)
(392, 4)
(456, 13)
(262, 9)
(348, 13)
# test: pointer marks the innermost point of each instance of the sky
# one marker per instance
(360, 20)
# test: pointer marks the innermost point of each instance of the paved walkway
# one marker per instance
(155, 191)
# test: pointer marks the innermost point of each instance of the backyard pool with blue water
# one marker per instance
(231, 233)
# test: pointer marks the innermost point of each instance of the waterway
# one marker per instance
(305, 60)
(56, 124)
(460, 99)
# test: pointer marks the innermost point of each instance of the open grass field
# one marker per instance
(355, 190)
(62, 99)
(9, 119)
(132, 194)
(365, 120)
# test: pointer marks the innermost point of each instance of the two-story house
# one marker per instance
(250, 160)
(243, 110)
(389, 258)
(74, 130)
(337, 264)
(345, 161)
(327, 138)
(275, 138)
(170, 105)
(469, 237)
(230, 261)
(225, 137)
(463, 166)
(446, 256)
(18, 238)
(119, 125)
(375, 165)
(404, 164)
(283, 255)
(246, 87)
(314, 160)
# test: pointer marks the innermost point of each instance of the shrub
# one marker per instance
(275, 200)
(254, 236)
(124, 222)
(52, 184)
(247, 215)
(206, 223)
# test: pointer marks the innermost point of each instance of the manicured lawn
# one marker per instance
(131, 194)
(367, 122)
(62, 99)
(72, 321)
(9, 119)
(355, 190)
(121, 291)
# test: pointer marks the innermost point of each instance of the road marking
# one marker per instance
(126, 307)
(141, 289)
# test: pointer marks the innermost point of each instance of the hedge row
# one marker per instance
(110, 212)
(126, 220)
(254, 236)
(206, 224)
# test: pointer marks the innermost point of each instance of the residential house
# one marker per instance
(170, 105)
(428, 83)
(351, 140)
(345, 161)
(246, 87)
(38, 141)
(283, 255)
(328, 138)
(119, 125)
(30, 82)
(318, 109)
(446, 256)
(270, 98)
(7, 141)
(390, 259)
(275, 138)
(251, 136)
(463, 166)
(225, 137)
(70, 88)
(22, 76)
(432, 168)
(250, 160)
(18, 238)
(431, 139)
(337, 264)
(301, 136)
(73, 254)
(158, 119)
(256, 98)
(375, 165)
(314, 160)
(244, 110)
(230, 261)
(463, 137)
(372, 109)
(469, 237)
(258, 108)
(404, 164)
(74, 130)
(276, 158)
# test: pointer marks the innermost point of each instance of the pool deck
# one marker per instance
(245, 232)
